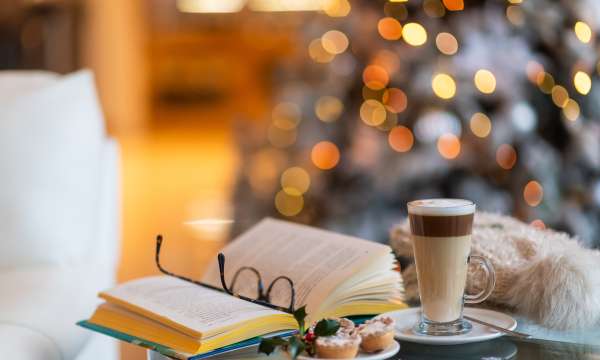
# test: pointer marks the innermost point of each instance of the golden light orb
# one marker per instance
(506, 156)
(325, 155)
(545, 82)
(414, 34)
(449, 146)
(334, 42)
(317, 52)
(443, 86)
(375, 77)
(480, 125)
(454, 5)
(401, 139)
(336, 8)
(372, 112)
(485, 81)
(389, 28)
(446, 43)
(533, 193)
(582, 82)
(395, 100)
(295, 181)
(583, 32)
(560, 96)
(571, 110)
(288, 205)
(328, 108)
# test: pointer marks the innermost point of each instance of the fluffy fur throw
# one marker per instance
(542, 274)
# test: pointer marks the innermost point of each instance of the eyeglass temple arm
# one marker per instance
(221, 260)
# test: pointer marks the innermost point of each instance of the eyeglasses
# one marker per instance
(262, 297)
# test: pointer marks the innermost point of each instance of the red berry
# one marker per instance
(310, 336)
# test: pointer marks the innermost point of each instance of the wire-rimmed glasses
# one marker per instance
(262, 297)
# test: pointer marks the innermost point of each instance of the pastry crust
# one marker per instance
(343, 345)
(377, 334)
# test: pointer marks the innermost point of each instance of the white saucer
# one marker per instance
(385, 354)
(406, 319)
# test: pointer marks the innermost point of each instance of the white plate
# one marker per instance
(385, 354)
(406, 319)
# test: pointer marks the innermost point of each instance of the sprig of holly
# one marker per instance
(303, 340)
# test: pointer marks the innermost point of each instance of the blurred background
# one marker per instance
(328, 112)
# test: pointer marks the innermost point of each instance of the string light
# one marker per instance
(582, 82)
(443, 86)
(317, 52)
(325, 155)
(449, 146)
(372, 112)
(485, 81)
(560, 96)
(583, 32)
(533, 193)
(446, 43)
(545, 82)
(389, 28)
(480, 125)
(401, 139)
(414, 34)
(375, 77)
(454, 5)
(571, 110)
(295, 181)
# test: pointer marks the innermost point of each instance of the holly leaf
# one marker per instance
(295, 347)
(300, 315)
(267, 346)
(327, 327)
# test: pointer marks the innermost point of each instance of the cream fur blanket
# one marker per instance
(542, 274)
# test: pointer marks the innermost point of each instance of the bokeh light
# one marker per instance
(328, 108)
(506, 156)
(446, 43)
(395, 100)
(286, 115)
(288, 205)
(434, 8)
(454, 5)
(317, 52)
(485, 81)
(401, 139)
(449, 146)
(334, 42)
(389, 28)
(515, 15)
(325, 155)
(264, 168)
(560, 96)
(480, 125)
(372, 112)
(375, 77)
(533, 193)
(414, 34)
(571, 110)
(443, 86)
(538, 224)
(295, 181)
(281, 138)
(533, 70)
(545, 82)
(583, 32)
(582, 82)
(336, 8)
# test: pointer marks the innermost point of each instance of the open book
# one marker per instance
(333, 275)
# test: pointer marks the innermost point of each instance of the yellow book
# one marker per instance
(334, 275)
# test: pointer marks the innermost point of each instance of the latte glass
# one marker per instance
(441, 234)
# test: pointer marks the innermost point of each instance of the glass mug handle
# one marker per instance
(491, 281)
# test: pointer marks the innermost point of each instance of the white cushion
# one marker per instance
(21, 343)
(51, 139)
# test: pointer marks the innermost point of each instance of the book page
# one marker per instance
(190, 308)
(316, 260)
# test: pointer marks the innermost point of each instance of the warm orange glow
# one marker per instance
(533, 193)
(334, 42)
(485, 81)
(506, 156)
(286, 115)
(582, 82)
(336, 8)
(560, 96)
(317, 52)
(545, 82)
(395, 100)
(414, 34)
(372, 112)
(325, 155)
(443, 86)
(583, 32)
(571, 110)
(480, 125)
(449, 146)
(401, 139)
(454, 5)
(533, 70)
(295, 181)
(328, 108)
(375, 77)
(288, 205)
(389, 28)
(446, 43)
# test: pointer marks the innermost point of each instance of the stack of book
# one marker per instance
(334, 275)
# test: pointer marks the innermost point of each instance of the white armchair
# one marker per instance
(59, 211)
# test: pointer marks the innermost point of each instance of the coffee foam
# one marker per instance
(441, 207)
